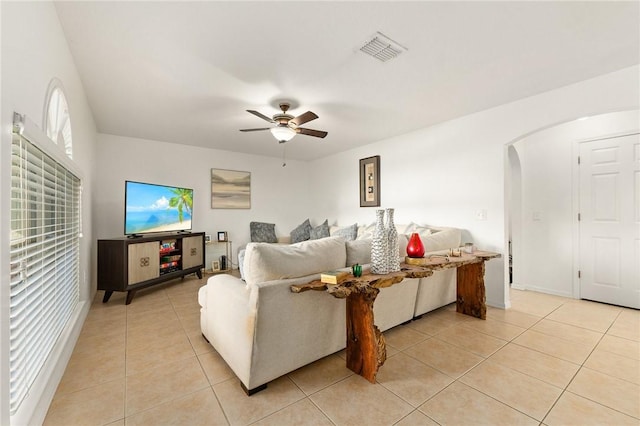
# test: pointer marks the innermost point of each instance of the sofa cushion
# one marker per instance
(349, 233)
(420, 229)
(267, 262)
(263, 232)
(403, 240)
(358, 251)
(320, 231)
(444, 239)
(301, 233)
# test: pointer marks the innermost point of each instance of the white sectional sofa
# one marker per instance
(263, 330)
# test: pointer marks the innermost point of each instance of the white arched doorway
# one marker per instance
(514, 200)
(541, 205)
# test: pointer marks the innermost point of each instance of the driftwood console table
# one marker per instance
(366, 350)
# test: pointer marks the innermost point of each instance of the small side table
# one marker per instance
(213, 251)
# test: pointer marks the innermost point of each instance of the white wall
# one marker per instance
(278, 194)
(444, 174)
(440, 175)
(34, 51)
(549, 162)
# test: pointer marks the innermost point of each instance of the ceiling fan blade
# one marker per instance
(261, 115)
(311, 132)
(255, 130)
(303, 118)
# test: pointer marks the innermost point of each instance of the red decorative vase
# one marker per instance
(415, 247)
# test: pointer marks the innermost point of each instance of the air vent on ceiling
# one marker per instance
(382, 47)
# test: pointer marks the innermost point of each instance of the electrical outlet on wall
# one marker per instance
(481, 214)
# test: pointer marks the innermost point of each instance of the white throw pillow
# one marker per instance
(358, 251)
(442, 240)
(423, 230)
(366, 231)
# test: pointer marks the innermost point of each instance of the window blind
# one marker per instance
(45, 251)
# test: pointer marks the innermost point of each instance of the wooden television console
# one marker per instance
(130, 264)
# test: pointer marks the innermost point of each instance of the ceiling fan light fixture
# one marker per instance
(282, 133)
(287, 126)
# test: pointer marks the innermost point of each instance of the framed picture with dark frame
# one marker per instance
(222, 236)
(370, 181)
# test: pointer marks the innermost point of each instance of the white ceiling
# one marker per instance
(185, 72)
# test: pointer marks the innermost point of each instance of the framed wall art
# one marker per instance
(230, 189)
(370, 181)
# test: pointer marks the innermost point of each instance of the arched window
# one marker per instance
(57, 123)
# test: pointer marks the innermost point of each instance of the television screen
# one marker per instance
(156, 208)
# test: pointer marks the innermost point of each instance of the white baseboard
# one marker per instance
(499, 305)
(543, 290)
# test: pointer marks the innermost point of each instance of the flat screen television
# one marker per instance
(156, 208)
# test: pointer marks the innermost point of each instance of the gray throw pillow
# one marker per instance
(349, 233)
(301, 233)
(320, 231)
(263, 232)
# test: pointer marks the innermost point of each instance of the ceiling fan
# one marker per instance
(287, 125)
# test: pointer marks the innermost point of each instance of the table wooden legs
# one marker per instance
(471, 297)
(366, 350)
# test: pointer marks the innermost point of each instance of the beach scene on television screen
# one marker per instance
(154, 208)
(230, 189)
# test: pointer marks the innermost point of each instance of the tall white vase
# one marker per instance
(379, 246)
(393, 260)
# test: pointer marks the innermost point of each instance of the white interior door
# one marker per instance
(610, 220)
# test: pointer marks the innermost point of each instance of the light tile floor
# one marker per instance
(547, 360)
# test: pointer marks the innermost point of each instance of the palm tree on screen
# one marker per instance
(183, 201)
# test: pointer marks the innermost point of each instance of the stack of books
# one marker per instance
(334, 277)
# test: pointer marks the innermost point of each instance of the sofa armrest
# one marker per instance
(224, 289)
(228, 319)
(241, 262)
